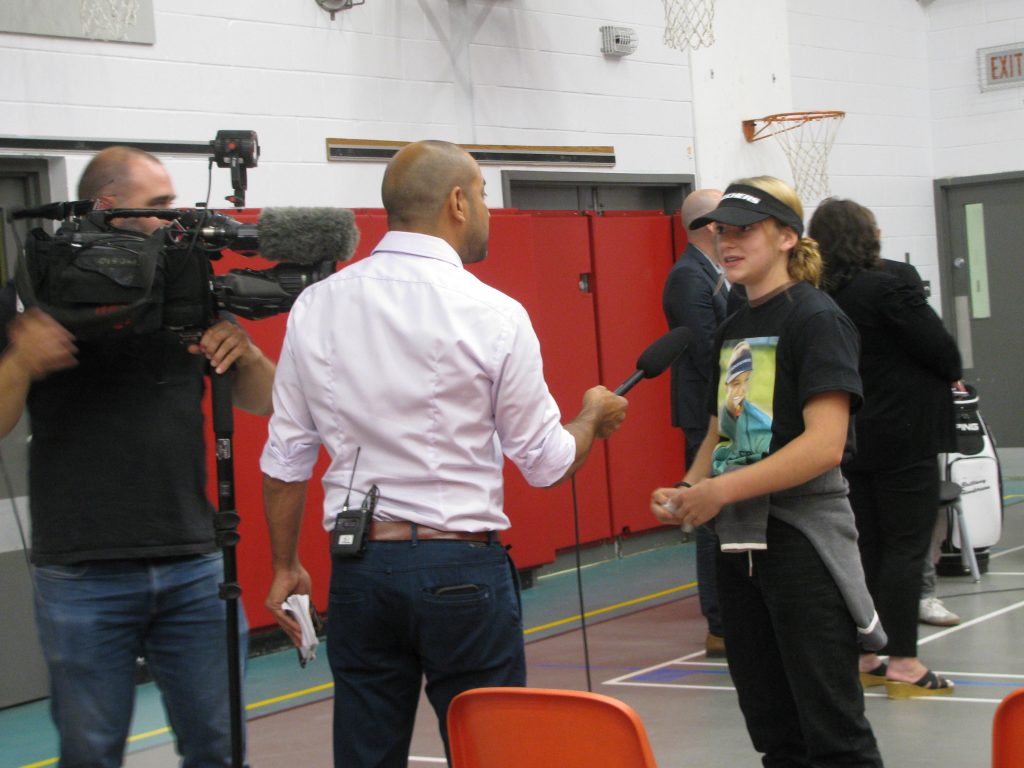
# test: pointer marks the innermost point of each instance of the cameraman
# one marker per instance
(122, 536)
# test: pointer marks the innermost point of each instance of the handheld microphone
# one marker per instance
(657, 357)
(293, 235)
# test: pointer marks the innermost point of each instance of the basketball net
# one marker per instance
(108, 19)
(806, 138)
(689, 23)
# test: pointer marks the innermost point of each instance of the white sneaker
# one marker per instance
(932, 611)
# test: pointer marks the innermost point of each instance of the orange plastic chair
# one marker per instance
(545, 728)
(1008, 732)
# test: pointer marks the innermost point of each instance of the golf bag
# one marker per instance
(975, 468)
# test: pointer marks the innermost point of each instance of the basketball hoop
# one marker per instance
(689, 23)
(806, 138)
(108, 19)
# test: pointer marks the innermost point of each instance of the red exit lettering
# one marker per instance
(1008, 66)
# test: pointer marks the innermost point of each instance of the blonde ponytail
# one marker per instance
(805, 261)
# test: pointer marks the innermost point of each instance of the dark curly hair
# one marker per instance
(847, 236)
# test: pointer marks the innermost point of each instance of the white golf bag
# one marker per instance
(975, 468)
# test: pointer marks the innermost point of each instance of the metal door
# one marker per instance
(985, 272)
(22, 669)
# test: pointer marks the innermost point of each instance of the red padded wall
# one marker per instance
(632, 255)
(538, 261)
(680, 237)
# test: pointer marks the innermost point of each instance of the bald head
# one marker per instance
(125, 177)
(696, 204)
(419, 180)
(111, 170)
(436, 188)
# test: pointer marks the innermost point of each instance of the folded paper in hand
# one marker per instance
(299, 608)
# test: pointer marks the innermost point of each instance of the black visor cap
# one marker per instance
(742, 205)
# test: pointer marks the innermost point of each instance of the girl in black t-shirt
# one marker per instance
(794, 603)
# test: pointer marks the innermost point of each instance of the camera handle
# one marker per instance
(226, 521)
(238, 184)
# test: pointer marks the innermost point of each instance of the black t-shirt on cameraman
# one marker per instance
(117, 459)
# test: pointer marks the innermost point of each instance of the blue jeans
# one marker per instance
(793, 656)
(447, 610)
(96, 618)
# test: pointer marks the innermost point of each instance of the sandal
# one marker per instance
(930, 684)
(874, 676)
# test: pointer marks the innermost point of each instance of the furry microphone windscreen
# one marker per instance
(307, 235)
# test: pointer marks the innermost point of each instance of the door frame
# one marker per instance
(675, 186)
(37, 176)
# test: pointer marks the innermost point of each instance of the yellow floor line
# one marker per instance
(288, 696)
(599, 611)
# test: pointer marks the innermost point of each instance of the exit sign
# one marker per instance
(1001, 67)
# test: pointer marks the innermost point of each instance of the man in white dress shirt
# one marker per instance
(429, 376)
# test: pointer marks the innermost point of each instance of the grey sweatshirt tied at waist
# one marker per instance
(820, 510)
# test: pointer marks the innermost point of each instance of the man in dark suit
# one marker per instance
(695, 297)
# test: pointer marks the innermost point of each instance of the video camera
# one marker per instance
(101, 280)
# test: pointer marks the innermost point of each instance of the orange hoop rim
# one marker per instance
(785, 121)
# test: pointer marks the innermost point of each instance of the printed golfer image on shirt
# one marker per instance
(745, 396)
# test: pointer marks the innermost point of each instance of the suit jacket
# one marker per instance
(692, 298)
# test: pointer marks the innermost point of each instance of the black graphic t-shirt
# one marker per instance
(770, 359)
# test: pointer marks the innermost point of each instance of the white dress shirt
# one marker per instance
(427, 370)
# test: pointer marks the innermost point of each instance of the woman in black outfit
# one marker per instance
(908, 362)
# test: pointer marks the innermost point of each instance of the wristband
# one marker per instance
(682, 484)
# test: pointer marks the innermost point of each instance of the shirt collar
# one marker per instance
(417, 244)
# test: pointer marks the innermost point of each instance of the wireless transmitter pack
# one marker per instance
(348, 539)
(351, 526)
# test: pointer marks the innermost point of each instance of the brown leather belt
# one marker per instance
(402, 531)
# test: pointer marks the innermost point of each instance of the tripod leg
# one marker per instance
(226, 525)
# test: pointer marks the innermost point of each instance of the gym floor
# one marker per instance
(645, 640)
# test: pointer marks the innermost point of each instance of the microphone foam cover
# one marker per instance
(307, 235)
(659, 355)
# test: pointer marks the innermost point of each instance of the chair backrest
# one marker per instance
(1008, 732)
(545, 728)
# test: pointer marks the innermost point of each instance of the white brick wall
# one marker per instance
(531, 72)
(974, 132)
(390, 69)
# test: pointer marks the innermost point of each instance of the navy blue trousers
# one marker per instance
(448, 611)
(792, 652)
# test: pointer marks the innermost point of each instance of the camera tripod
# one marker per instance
(225, 521)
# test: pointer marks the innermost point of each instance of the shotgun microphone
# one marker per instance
(657, 357)
(293, 235)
